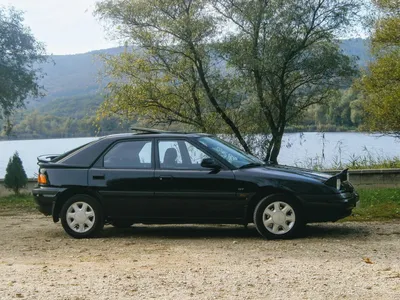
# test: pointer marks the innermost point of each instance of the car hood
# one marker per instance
(291, 171)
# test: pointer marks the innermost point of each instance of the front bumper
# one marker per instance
(45, 197)
(329, 208)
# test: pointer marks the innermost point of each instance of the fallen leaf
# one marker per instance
(367, 260)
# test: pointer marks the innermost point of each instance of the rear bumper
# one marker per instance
(45, 198)
(329, 208)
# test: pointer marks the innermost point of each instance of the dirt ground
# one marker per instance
(331, 261)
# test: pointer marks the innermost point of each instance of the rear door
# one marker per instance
(124, 177)
(187, 191)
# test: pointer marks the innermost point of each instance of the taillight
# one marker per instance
(42, 179)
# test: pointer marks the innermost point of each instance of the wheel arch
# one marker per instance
(265, 192)
(68, 193)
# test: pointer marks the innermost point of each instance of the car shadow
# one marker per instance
(182, 231)
(327, 230)
(336, 231)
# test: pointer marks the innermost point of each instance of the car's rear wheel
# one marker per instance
(278, 217)
(82, 216)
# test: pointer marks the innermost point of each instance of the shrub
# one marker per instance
(15, 178)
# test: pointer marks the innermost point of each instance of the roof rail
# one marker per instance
(150, 130)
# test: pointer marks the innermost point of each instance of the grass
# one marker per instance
(377, 204)
(353, 163)
(22, 202)
(357, 163)
(366, 160)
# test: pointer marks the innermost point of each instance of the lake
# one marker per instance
(297, 148)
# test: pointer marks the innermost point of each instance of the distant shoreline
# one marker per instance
(290, 130)
(47, 138)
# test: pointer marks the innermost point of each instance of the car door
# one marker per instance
(124, 177)
(187, 191)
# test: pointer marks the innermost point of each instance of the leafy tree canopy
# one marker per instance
(381, 84)
(19, 55)
(239, 66)
(289, 53)
(174, 78)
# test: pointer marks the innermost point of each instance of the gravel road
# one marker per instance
(331, 261)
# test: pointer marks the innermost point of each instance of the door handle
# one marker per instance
(99, 177)
(162, 178)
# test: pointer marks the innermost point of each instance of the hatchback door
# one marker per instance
(185, 191)
(124, 177)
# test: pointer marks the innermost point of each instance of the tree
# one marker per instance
(289, 52)
(8, 127)
(19, 55)
(15, 178)
(344, 111)
(175, 72)
(380, 85)
(245, 66)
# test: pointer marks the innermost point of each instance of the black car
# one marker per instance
(155, 177)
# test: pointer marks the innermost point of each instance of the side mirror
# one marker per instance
(209, 163)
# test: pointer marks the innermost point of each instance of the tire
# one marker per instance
(82, 216)
(278, 217)
(121, 224)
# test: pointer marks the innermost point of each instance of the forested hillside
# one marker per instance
(79, 74)
(74, 88)
(73, 75)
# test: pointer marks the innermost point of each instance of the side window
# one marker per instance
(179, 155)
(129, 155)
(145, 154)
(195, 155)
(169, 154)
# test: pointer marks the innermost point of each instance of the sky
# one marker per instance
(64, 26)
(68, 26)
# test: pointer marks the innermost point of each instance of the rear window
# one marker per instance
(60, 157)
(83, 156)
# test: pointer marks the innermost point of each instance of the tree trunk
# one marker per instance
(214, 102)
(274, 147)
(269, 149)
(8, 127)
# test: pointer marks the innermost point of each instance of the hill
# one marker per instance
(74, 92)
(72, 76)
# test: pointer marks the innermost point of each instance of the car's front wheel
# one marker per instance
(82, 216)
(278, 217)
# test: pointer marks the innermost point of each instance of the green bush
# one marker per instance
(15, 178)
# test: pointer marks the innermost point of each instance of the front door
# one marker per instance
(125, 178)
(185, 191)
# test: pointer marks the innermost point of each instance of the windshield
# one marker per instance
(230, 153)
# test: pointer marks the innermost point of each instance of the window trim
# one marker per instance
(192, 142)
(215, 155)
(151, 140)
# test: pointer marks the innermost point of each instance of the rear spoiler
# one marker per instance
(343, 176)
(46, 158)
